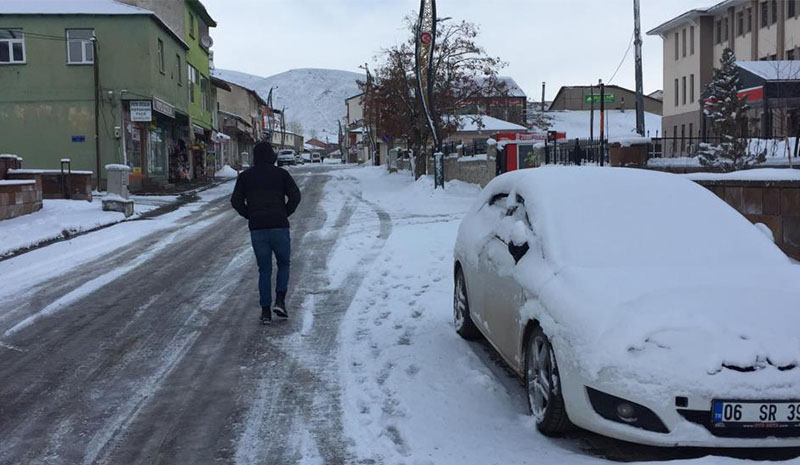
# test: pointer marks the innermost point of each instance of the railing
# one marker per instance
(475, 147)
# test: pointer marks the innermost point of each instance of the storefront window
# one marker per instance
(157, 156)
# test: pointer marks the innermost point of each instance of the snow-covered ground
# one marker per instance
(414, 392)
(58, 219)
(619, 124)
(25, 271)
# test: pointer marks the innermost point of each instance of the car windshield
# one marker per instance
(620, 218)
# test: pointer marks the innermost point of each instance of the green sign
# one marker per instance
(609, 98)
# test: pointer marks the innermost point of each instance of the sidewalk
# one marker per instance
(60, 220)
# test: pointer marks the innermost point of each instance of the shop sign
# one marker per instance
(141, 111)
(198, 130)
(608, 98)
(163, 107)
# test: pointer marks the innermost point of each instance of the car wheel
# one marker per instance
(465, 327)
(543, 385)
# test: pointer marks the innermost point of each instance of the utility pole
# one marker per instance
(637, 30)
(96, 60)
(591, 113)
(602, 120)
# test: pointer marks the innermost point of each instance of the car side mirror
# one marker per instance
(518, 251)
(764, 229)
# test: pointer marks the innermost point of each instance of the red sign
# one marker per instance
(426, 38)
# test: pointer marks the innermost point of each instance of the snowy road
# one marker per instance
(140, 343)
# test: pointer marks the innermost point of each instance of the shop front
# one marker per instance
(153, 138)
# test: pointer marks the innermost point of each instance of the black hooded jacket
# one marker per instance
(262, 191)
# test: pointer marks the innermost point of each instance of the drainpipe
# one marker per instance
(96, 110)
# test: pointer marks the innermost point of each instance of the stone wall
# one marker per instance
(9, 162)
(19, 198)
(774, 203)
(76, 185)
(476, 170)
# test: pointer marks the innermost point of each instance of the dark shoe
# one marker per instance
(266, 316)
(280, 305)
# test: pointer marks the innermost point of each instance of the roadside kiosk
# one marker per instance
(518, 150)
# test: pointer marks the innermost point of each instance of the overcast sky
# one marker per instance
(561, 42)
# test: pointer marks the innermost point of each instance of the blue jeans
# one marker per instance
(265, 243)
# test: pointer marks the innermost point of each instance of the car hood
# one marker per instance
(680, 322)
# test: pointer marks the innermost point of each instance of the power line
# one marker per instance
(633, 35)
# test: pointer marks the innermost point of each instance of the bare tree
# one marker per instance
(465, 77)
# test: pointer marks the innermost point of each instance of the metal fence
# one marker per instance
(475, 147)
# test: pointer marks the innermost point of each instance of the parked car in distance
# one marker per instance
(316, 157)
(306, 156)
(286, 157)
(634, 304)
(298, 160)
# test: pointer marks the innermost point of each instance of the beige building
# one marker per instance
(693, 45)
(241, 117)
(579, 98)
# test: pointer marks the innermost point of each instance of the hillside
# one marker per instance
(312, 97)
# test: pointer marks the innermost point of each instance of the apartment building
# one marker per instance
(755, 30)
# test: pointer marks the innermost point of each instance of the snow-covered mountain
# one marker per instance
(312, 97)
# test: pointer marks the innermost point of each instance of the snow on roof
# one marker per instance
(470, 123)
(70, 7)
(778, 70)
(15, 182)
(514, 90)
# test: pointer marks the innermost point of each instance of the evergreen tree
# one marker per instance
(728, 118)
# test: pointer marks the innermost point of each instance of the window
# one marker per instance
(683, 138)
(764, 14)
(691, 88)
(691, 131)
(12, 46)
(791, 8)
(80, 50)
(790, 54)
(725, 29)
(178, 69)
(161, 56)
(749, 20)
(691, 40)
(774, 11)
(192, 25)
(740, 23)
(205, 90)
(677, 93)
(684, 90)
(719, 32)
(193, 79)
(683, 37)
(677, 45)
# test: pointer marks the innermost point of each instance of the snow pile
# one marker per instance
(226, 172)
(313, 97)
(760, 174)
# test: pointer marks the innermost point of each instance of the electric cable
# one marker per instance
(630, 45)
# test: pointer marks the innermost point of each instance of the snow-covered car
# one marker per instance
(634, 304)
(306, 156)
(316, 157)
(298, 160)
(286, 157)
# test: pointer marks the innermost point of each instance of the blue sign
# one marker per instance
(78, 138)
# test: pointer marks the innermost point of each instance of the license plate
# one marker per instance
(756, 414)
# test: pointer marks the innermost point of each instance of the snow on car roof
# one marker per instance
(618, 217)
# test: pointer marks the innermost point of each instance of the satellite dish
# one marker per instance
(207, 42)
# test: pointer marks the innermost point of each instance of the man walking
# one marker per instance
(266, 196)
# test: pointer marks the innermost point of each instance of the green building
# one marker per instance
(191, 21)
(50, 77)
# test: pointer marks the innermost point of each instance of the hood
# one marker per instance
(264, 155)
(683, 323)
